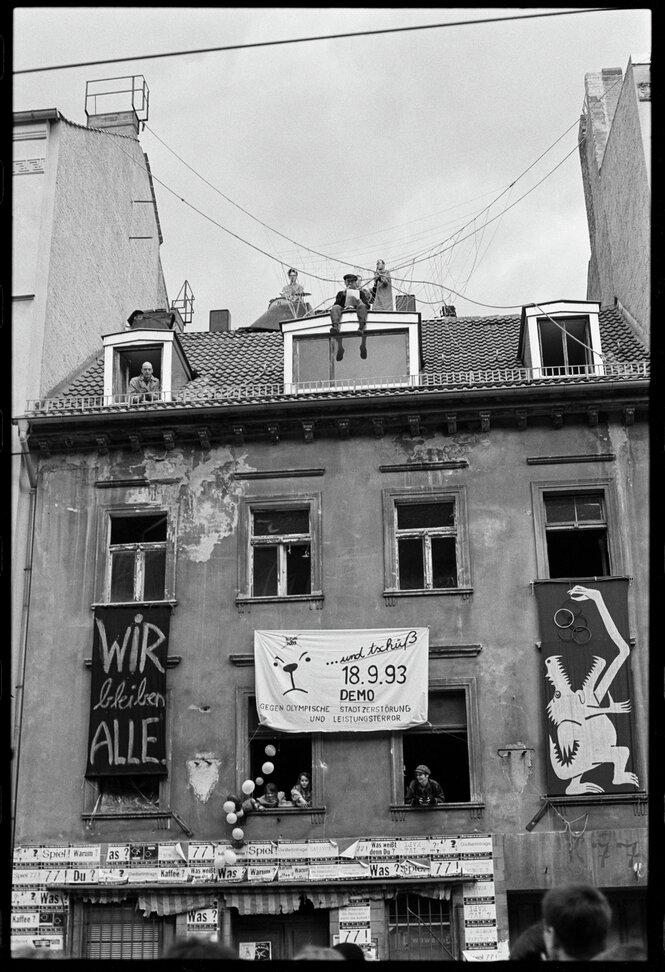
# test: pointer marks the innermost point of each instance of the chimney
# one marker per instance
(448, 310)
(220, 320)
(405, 302)
(117, 105)
(156, 320)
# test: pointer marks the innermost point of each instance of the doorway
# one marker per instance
(280, 936)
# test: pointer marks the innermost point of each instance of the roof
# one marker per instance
(449, 346)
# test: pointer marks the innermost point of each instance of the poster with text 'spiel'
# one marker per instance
(348, 680)
(128, 693)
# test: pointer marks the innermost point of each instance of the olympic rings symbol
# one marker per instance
(572, 625)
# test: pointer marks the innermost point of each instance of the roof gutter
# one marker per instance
(44, 114)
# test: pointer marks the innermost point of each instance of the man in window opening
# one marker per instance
(301, 792)
(353, 297)
(145, 387)
(423, 791)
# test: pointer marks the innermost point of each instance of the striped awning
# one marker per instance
(175, 902)
(263, 902)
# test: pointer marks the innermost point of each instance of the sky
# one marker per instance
(413, 147)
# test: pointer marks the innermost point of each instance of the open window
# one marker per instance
(448, 744)
(565, 344)
(137, 557)
(280, 550)
(426, 541)
(576, 535)
(127, 364)
(576, 529)
(316, 358)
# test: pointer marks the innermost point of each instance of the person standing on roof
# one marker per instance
(382, 288)
(293, 290)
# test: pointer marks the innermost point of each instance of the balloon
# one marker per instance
(267, 768)
(230, 857)
(228, 806)
(232, 818)
(248, 787)
(259, 781)
(237, 833)
(270, 750)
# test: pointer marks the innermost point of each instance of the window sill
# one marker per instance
(448, 805)
(165, 601)
(91, 816)
(464, 591)
(280, 811)
(596, 799)
(243, 599)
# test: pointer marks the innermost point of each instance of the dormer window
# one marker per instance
(387, 354)
(562, 339)
(125, 353)
(565, 343)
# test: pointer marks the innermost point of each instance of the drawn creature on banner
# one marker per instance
(585, 735)
(291, 667)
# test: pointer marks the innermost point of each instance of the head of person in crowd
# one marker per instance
(350, 951)
(626, 952)
(198, 947)
(576, 919)
(530, 945)
(317, 953)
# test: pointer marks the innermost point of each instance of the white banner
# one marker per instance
(364, 679)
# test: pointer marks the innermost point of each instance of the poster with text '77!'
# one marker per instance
(345, 680)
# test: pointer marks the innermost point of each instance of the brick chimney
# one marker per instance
(220, 320)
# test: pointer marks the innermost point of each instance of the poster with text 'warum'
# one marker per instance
(358, 679)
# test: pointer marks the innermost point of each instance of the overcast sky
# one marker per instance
(393, 146)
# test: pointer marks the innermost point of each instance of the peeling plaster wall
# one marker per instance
(207, 627)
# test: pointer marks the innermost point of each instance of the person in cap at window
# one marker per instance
(145, 387)
(301, 792)
(424, 791)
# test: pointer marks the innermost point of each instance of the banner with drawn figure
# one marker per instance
(355, 680)
(128, 693)
(588, 687)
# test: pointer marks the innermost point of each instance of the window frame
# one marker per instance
(566, 368)
(243, 761)
(440, 686)
(603, 486)
(248, 504)
(391, 498)
(104, 558)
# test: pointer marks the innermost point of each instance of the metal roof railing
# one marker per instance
(261, 391)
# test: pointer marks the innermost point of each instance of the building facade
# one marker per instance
(615, 152)
(298, 559)
(86, 250)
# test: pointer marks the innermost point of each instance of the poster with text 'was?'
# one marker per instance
(128, 691)
(345, 680)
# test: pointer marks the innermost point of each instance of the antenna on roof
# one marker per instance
(184, 303)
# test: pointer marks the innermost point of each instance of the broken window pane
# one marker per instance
(444, 562)
(298, 562)
(268, 523)
(138, 529)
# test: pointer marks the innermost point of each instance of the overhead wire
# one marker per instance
(303, 40)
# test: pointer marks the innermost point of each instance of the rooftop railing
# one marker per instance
(249, 392)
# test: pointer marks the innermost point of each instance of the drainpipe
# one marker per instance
(29, 466)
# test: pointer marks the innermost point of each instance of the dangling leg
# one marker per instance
(363, 344)
(340, 348)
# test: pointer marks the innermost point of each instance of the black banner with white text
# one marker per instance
(128, 694)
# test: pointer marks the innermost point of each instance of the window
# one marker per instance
(576, 533)
(127, 364)
(447, 745)
(296, 753)
(565, 344)
(315, 357)
(280, 548)
(123, 794)
(425, 541)
(137, 557)
(419, 929)
(119, 931)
